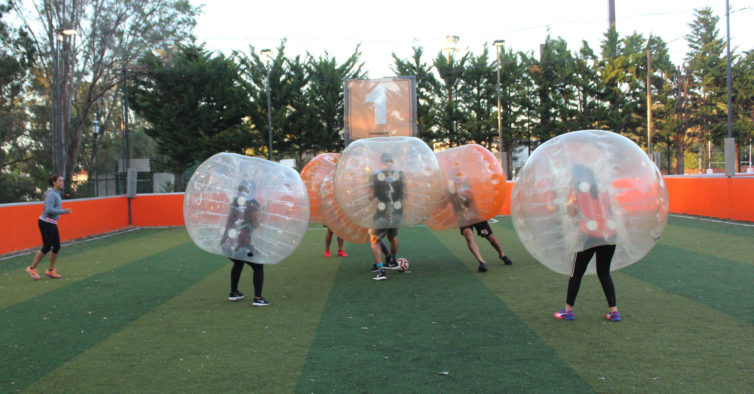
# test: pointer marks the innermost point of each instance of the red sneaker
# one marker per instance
(327, 253)
(342, 253)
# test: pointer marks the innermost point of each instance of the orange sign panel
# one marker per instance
(380, 108)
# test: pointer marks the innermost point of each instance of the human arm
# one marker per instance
(53, 204)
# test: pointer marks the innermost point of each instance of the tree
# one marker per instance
(324, 96)
(16, 64)
(479, 100)
(194, 103)
(743, 99)
(707, 77)
(110, 35)
(425, 85)
(448, 112)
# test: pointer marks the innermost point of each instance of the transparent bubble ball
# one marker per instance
(246, 208)
(628, 189)
(387, 182)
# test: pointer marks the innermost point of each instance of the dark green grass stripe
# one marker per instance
(69, 251)
(718, 283)
(68, 321)
(400, 335)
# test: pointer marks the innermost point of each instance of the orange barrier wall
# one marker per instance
(90, 216)
(712, 196)
(154, 210)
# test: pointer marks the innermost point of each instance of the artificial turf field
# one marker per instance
(147, 311)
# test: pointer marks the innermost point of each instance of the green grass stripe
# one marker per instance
(86, 260)
(399, 335)
(732, 242)
(42, 333)
(198, 341)
(707, 279)
(665, 343)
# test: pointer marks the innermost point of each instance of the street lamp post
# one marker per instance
(95, 133)
(450, 49)
(267, 53)
(60, 99)
(730, 142)
(498, 46)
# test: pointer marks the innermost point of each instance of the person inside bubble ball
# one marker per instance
(459, 192)
(244, 216)
(592, 208)
(387, 188)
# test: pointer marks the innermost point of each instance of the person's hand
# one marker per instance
(68, 210)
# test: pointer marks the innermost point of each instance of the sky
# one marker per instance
(336, 27)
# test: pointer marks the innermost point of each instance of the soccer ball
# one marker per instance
(402, 264)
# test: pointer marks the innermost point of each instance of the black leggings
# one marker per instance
(50, 236)
(604, 258)
(235, 276)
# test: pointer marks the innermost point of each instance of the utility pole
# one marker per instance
(730, 142)
(451, 42)
(267, 53)
(498, 46)
(649, 101)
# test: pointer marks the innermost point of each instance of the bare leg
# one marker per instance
(37, 258)
(328, 239)
(468, 233)
(340, 244)
(393, 245)
(53, 258)
(374, 243)
(496, 245)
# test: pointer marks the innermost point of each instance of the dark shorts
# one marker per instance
(380, 233)
(483, 229)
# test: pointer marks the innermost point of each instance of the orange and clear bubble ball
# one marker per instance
(387, 182)
(334, 218)
(228, 182)
(473, 187)
(631, 191)
(313, 173)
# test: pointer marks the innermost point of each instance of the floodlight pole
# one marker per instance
(730, 147)
(95, 133)
(267, 54)
(498, 45)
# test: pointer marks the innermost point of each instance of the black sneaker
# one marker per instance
(235, 295)
(506, 260)
(482, 267)
(259, 301)
(392, 264)
(374, 268)
(380, 276)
